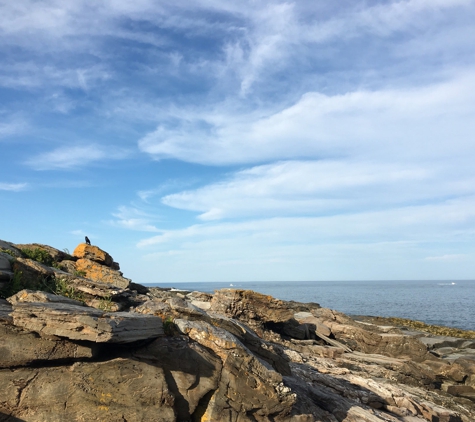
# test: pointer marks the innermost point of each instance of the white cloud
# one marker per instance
(78, 232)
(14, 187)
(14, 126)
(31, 75)
(438, 222)
(448, 257)
(386, 244)
(76, 156)
(311, 187)
(432, 121)
(132, 218)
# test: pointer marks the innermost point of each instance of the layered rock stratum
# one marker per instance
(80, 342)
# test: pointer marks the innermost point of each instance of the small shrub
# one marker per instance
(106, 304)
(62, 288)
(39, 255)
(79, 273)
(8, 252)
(19, 282)
(15, 285)
(169, 327)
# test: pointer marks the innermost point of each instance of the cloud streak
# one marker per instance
(421, 122)
(13, 187)
(74, 157)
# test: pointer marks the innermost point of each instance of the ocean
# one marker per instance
(449, 303)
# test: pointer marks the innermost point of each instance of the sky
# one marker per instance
(211, 140)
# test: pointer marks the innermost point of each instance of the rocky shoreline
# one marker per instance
(80, 342)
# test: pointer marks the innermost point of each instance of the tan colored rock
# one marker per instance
(31, 296)
(92, 288)
(93, 253)
(195, 371)
(154, 307)
(68, 266)
(101, 273)
(105, 305)
(255, 309)
(115, 390)
(247, 385)
(84, 323)
(272, 353)
(308, 318)
(20, 347)
(206, 306)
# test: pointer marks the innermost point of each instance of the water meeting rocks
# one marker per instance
(232, 356)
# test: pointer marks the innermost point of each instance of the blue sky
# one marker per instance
(232, 141)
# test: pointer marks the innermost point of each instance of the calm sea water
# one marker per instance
(449, 303)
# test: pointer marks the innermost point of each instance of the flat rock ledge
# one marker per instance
(82, 323)
(231, 356)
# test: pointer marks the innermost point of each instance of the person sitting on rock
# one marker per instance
(88, 242)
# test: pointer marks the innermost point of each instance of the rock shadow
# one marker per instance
(9, 418)
(188, 372)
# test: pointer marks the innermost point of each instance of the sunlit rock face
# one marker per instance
(94, 346)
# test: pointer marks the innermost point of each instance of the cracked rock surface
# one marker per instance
(233, 356)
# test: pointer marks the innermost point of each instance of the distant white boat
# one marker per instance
(231, 285)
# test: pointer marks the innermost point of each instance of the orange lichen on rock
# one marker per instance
(93, 253)
(101, 273)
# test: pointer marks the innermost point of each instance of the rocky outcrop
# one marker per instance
(113, 390)
(97, 272)
(96, 264)
(93, 253)
(233, 356)
(85, 323)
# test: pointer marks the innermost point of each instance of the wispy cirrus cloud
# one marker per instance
(64, 158)
(398, 122)
(392, 243)
(309, 187)
(13, 187)
(447, 258)
(133, 218)
(454, 219)
(11, 126)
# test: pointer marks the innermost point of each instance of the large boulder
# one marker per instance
(191, 370)
(93, 253)
(257, 310)
(248, 389)
(114, 390)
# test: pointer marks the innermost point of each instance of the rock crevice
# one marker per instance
(91, 345)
